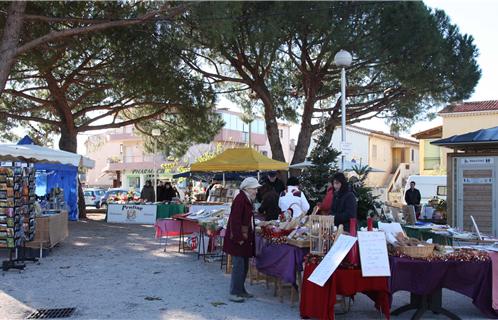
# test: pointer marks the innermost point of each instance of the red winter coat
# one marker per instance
(326, 205)
(241, 215)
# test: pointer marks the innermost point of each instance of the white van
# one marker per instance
(429, 187)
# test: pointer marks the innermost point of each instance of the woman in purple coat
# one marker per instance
(239, 239)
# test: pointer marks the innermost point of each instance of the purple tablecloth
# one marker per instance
(473, 279)
(279, 260)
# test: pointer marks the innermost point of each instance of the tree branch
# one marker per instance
(29, 118)
(57, 35)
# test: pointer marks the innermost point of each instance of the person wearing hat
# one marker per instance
(271, 182)
(239, 239)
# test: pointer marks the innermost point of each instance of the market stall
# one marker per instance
(472, 184)
(19, 210)
(212, 216)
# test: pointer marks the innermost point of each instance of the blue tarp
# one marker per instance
(63, 176)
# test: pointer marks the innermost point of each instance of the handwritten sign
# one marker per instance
(373, 254)
(332, 260)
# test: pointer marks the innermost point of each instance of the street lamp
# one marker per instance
(155, 133)
(343, 60)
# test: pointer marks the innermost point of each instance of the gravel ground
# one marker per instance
(110, 271)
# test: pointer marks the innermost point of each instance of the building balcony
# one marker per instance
(240, 137)
(123, 137)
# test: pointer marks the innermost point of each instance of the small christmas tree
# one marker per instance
(314, 179)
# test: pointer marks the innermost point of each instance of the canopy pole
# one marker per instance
(258, 175)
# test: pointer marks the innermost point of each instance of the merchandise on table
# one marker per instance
(17, 197)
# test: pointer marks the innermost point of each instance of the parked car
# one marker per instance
(93, 196)
(111, 193)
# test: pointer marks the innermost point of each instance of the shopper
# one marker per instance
(326, 205)
(147, 193)
(160, 196)
(239, 239)
(169, 191)
(271, 182)
(412, 198)
(293, 198)
(269, 204)
(344, 206)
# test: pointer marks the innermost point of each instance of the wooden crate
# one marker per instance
(321, 231)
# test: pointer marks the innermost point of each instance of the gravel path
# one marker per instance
(110, 271)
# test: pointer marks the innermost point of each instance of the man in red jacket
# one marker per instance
(240, 239)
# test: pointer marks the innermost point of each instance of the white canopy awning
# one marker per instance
(33, 153)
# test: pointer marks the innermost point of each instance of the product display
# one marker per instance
(17, 217)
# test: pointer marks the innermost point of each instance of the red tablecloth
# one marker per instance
(318, 302)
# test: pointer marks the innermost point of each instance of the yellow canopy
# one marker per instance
(239, 159)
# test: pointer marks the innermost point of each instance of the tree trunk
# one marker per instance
(10, 40)
(69, 142)
(304, 138)
(271, 123)
(326, 137)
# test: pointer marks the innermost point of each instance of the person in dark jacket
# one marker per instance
(240, 239)
(271, 182)
(412, 198)
(160, 192)
(269, 204)
(169, 192)
(344, 206)
(147, 193)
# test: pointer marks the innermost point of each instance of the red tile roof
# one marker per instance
(471, 106)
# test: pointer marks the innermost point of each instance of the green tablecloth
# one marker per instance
(424, 234)
(169, 210)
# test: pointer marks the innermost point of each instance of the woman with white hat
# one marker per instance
(239, 239)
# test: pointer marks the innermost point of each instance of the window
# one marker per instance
(442, 191)
(281, 133)
(265, 153)
(374, 152)
(432, 157)
(413, 155)
(245, 136)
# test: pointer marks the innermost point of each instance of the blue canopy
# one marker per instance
(64, 176)
(484, 138)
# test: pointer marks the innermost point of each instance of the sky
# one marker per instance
(477, 18)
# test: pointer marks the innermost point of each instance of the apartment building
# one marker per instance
(121, 161)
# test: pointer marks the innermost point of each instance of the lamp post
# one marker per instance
(155, 133)
(343, 60)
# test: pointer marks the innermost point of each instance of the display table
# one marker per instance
(279, 260)
(167, 210)
(209, 207)
(425, 234)
(49, 231)
(319, 302)
(426, 279)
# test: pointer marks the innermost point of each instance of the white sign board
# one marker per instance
(346, 149)
(477, 180)
(131, 213)
(373, 254)
(391, 230)
(332, 260)
(477, 160)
